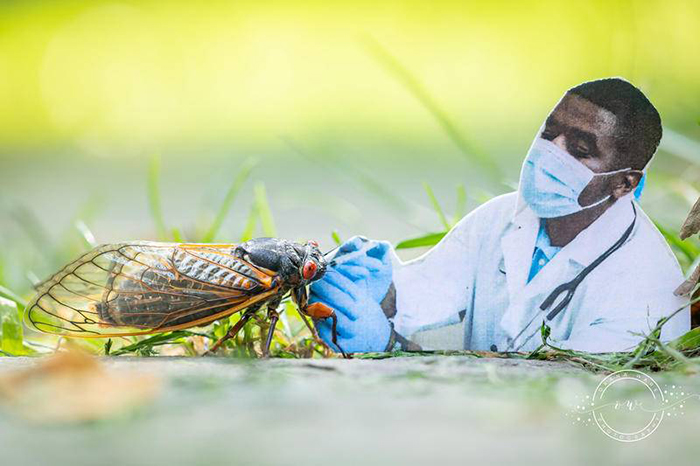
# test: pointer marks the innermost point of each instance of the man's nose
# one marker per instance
(560, 141)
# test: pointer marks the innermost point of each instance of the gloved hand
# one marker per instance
(354, 285)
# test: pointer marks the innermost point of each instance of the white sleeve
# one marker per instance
(433, 288)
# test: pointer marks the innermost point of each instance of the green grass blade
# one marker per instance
(11, 330)
(267, 221)
(146, 345)
(689, 250)
(251, 223)
(85, 234)
(466, 145)
(436, 206)
(399, 207)
(12, 296)
(154, 197)
(336, 238)
(35, 232)
(430, 239)
(233, 190)
(176, 234)
(460, 204)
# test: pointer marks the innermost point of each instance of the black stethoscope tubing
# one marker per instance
(570, 287)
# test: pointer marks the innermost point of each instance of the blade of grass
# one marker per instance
(680, 146)
(9, 294)
(267, 222)
(156, 340)
(85, 234)
(422, 241)
(436, 205)
(176, 234)
(466, 145)
(336, 238)
(154, 197)
(687, 248)
(238, 182)
(11, 330)
(399, 207)
(460, 204)
(250, 224)
(35, 231)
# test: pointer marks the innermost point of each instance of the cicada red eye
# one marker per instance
(313, 243)
(309, 270)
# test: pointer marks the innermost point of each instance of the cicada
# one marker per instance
(143, 287)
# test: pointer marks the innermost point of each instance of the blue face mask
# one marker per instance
(552, 180)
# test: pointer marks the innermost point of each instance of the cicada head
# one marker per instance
(314, 264)
(296, 264)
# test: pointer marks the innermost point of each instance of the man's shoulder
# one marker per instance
(651, 248)
(502, 206)
(492, 215)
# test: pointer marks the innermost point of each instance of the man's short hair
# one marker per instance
(639, 124)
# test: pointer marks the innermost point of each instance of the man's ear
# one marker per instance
(626, 182)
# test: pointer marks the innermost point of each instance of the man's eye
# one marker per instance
(581, 152)
(548, 135)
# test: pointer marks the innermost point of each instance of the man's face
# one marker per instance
(587, 133)
(584, 130)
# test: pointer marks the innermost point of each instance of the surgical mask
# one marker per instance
(552, 180)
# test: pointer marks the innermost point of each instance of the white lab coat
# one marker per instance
(479, 271)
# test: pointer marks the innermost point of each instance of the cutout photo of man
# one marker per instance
(571, 248)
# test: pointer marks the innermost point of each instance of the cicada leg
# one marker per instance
(321, 311)
(233, 331)
(274, 316)
(317, 311)
(314, 334)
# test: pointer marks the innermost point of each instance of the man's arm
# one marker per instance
(435, 287)
(379, 299)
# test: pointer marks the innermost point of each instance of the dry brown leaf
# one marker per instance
(74, 387)
(691, 225)
(689, 285)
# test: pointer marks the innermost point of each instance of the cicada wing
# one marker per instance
(145, 287)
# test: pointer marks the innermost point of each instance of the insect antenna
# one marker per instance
(326, 254)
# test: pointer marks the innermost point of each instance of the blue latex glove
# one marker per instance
(354, 285)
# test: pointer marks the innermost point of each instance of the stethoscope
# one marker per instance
(570, 287)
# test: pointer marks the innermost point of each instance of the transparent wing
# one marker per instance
(145, 287)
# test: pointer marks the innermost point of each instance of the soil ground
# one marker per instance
(404, 410)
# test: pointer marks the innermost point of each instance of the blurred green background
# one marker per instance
(347, 107)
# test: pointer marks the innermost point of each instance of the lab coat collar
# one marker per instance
(518, 245)
(594, 240)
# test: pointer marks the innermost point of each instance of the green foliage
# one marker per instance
(686, 249)
(267, 221)
(11, 330)
(145, 347)
(460, 204)
(436, 206)
(238, 182)
(336, 238)
(431, 239)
